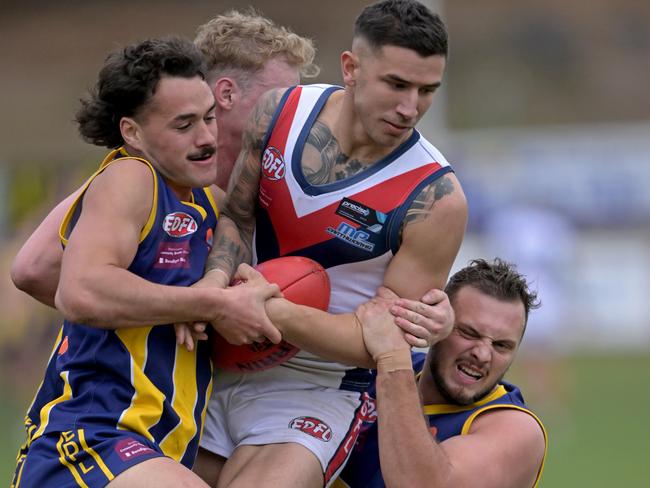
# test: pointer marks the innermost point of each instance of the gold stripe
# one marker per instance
(199, 208)
(468, 424)
(184, 401)
(108, 160)
(20, 471)
(45, 411)
(208, 193)
(91, 451)
(434, 409)
(154, 205)
(147, 401)
(65, 462)
(57, 344)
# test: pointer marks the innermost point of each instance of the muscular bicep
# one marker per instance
(116, 207)
(431, 236)
(504, 448)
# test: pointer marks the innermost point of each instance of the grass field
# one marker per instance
(602, 439)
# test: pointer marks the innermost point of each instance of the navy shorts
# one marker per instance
(81, 457)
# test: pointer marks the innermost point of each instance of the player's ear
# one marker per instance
(131, 132)
(226, 93)
(349, 65)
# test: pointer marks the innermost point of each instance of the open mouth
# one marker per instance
(204, 155)
(470, 372)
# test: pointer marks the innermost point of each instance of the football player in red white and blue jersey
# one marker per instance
(339, 175)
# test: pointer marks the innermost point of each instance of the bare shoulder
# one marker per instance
(125, 184)
(504, 448)
(518, 429)
(442, 198)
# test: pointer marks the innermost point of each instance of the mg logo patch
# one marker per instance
(273, 164)
(179, 224)
(313, 427)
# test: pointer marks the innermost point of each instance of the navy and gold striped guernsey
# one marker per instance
(445, 421)
(113, 398)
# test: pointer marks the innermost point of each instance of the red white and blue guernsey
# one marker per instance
(112, 398)
(351, 227)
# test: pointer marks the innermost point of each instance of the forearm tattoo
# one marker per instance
(234, 246)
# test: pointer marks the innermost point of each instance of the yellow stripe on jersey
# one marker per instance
(208, 394)
(64, 228)
(64, 461)
(57, 344)
(208, 193)
(100, 462)
(175, 442)
(47, 408)
(147, 402)
(199, 208)
(154, 205)
(471, 418)
(498, 392)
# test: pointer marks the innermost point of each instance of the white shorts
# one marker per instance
(278, 406)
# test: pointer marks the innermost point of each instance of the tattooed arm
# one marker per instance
(246, 321)
(431, 235)
(234, 236)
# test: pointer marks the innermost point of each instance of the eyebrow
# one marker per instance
(471, 329)
(190, 116)
(398, 79)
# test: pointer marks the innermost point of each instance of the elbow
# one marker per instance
(23, 276)
(76, 304)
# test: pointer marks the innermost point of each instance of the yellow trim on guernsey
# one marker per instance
(434, 409)
(175, 442)
(147, 401)
(108, 160)
(47, 408)
(468, 423)
(208, 193)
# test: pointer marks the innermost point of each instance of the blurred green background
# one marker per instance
(544, 115)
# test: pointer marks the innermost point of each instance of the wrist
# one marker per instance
(399, 359)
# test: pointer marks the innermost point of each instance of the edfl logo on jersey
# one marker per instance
(179, 224)
(273, 164)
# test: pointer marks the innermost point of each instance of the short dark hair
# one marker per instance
(498, 279)
(128, 80)
(402, 23)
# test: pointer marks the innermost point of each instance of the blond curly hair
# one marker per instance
(240, 43)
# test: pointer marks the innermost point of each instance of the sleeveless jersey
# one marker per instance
(445, 421)
(351, 227)
(137, 379)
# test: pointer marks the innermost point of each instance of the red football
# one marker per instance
(301, 281)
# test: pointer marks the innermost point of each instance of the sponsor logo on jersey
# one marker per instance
(359, 213)
(352, 235)
(313, 427)
(173, 255)
(273, 166)
(179, 224)
(129, 448)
